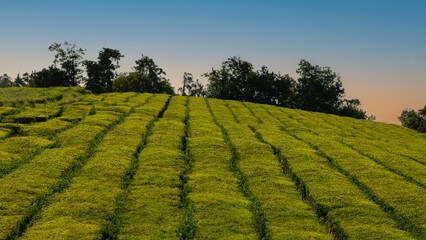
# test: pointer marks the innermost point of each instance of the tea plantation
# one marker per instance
(152, 166)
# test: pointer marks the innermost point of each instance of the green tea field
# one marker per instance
(152, 166)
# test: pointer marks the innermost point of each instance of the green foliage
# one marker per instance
(5, 81)
(413, 120)
(100, 74)
(49, 77)
(258, 215)
(237, 80)
(257, 162)
(69, 59)
(56, 167)
(220, 208)
(332, 191)
(191, 88)
(131, 165)
(139, 82)
(318, 88)
(39, 113)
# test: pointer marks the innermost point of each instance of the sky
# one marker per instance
(377, 47)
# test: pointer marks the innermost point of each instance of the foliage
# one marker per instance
(157, 82)
(49, 77)
(350, 108)
(69, 58)
(139, 82)
(349, 164)
(231, 81)
(100, 74)
(272, 88)
(131, 165)
(191, 88)
(21, 81)
(5, 81)
(414, 120)
(318, 88)
(237, 80)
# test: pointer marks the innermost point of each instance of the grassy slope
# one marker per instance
(138, 166)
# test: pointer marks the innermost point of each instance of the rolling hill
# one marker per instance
(152, 166)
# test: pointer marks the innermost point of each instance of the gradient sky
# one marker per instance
(377, 47)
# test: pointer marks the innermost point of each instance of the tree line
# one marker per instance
(316, 89)
(414, 120)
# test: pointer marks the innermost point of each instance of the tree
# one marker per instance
(191, 88)
(5, 81)
(350, 108)
(48, 77)
(417, 121)
(20, 82)
(100, 74)
(159, 83)
(139, 82)
(233, 81)
(237, 80)
(318, 88)
(284, 85)
(69, 58)
(271, 88)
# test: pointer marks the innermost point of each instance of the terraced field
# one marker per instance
(142, 166)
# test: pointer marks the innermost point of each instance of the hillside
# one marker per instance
(142, 166)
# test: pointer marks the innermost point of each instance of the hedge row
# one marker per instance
(331, 193)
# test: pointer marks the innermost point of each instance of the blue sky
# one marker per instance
(378, 47)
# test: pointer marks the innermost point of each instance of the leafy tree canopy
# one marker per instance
(100, 74)
(318, 88)
(5, 81)
(237, 80)
(139, 82)
(414, 120)
(158, 83)
(191, 87)
(49, 77)
(69, 58)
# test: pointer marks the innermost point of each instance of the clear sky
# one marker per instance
(377, 47)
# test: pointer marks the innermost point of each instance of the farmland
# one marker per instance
(152, 166)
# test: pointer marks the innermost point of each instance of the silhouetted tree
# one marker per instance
(191, 88)
(20, 82)
(147, 66)
(417, 121)
(232, 81)
(48, 77)
(159, 83)
(318, 88)
(69, 58)
(100, 74)
(238, 81)
(350, 108)
(5, 81)
(271, 88)
(139, 82)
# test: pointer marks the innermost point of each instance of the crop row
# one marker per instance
(287, 215)
(220, 209)
(383, 136)
(151, 210)
(349, 212)
(88, 202)
(34, 138)
(28, 188)
(14, 119)
(386, 188)
(411, 170)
